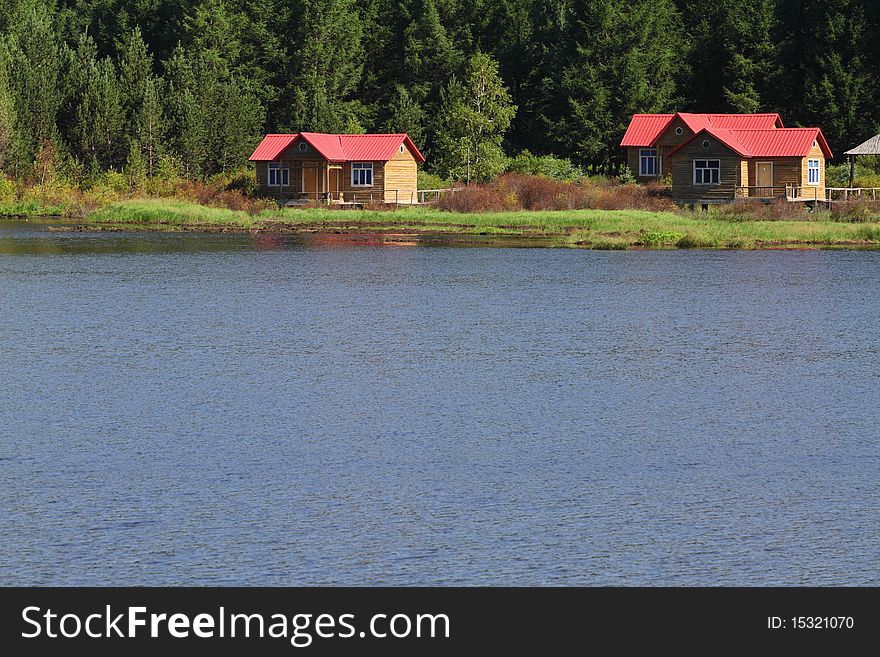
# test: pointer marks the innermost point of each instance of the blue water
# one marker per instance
(225, 409)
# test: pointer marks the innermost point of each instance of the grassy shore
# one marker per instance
(602, 229)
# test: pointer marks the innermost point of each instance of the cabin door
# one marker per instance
(764, 179)
(311, 182)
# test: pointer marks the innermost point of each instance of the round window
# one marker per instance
(705, 143)
(401, 148)
(679, 130)
(303, 146)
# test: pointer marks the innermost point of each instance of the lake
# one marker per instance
(262, 410)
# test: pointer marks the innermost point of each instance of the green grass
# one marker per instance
(31, 208)
(600, 229)
(168, 212)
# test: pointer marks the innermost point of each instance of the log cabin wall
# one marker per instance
(732, 174)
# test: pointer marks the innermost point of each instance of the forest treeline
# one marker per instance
(88, 86)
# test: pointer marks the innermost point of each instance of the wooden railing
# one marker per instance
(389, 196)
(787, 192)
(853, 193)
(761, 192)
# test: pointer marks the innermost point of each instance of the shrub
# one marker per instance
(659, 237)
(476, 198)
(8, 190)
(855, 211)
(432, 181)
(626, 177)
(167, 178)
(866, 173)
(514, 191)
(242, 180)
(558, 168)
(691, 241)
(754, 210)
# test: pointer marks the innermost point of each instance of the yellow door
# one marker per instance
(764, 179)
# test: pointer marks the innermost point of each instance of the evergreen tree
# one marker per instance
(187, 130)
(139, 90)
(96, 131)
(328, 57)
(732, 54)
(149, 123)
(8, 127)
(622, 60)
(405, 115)
(34, 52)
(135, 168)
(476, 113)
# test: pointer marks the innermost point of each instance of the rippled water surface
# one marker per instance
(230, 409)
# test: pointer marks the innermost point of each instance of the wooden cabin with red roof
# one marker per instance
(717, 158)
(311, 166)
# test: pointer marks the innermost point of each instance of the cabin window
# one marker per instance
(278, 176)
(679, 130)
(648, 165)
(813, 172)
(707, 172)
(362, 174)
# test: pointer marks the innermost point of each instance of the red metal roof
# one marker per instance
(645, 129)
(774, 142)
(271, 147)
(697, 122)
(339, 148)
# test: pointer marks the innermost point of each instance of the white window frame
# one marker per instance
(282, 175)
(646, 155)
(814, 165)
(358, 168)
(708, 161)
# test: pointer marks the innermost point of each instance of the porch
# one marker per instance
(794, 193)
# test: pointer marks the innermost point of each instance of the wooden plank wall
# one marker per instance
(401, 174)
(814, 154)
(681, 167)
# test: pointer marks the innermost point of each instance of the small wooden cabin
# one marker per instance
(651, 137)
(719, 166)
(338, 168)
(717, 158)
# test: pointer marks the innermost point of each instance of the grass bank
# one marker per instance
(601, 229)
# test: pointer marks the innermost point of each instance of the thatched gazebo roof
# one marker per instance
(870, 147)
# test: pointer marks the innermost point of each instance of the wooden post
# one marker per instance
(852, 170)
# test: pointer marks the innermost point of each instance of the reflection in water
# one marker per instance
(254, 409)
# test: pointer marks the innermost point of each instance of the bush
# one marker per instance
(626, 177)
(550, 166)
(754, 210)
(167, 178)
(432, 181)
(855, 211)
(477, 198)
(8, 191)
(514, 191)
(691, 241)
(866, 174)
(242, 180)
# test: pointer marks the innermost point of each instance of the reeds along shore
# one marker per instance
(603, 229)
(592, 213)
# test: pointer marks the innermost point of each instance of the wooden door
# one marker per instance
(764, 179)
(311, 181)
